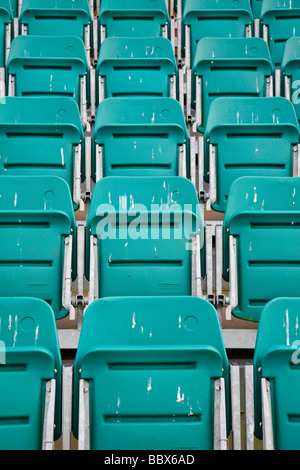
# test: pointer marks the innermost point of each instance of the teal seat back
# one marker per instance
(263, 214)
(29, 124)
(151, 363)
(215, 18)
(283, 21)
(140, 137)
(252, 137)
(290, 69)
(30, 356)
(69, 18)
(230, 68)
(5, 19)
(144, 227)
(36, 213)
(140, 68)
(48, 66)
(276, 358)
(133, 18)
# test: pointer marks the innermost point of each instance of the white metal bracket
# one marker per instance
(267, 421)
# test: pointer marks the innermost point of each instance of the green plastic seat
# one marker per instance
(140, 230)
(28, 125)
(48, 67)
(52, 18)
(282, 20)
(133, 18)
(276, 358)
(290, 70)
(6, 19)
(140, 137)
(214, 18)
(30, 357)
(151, 365)
(250, 137)
(237, 67)
(37, 220)
(263, 215)
(131, 68)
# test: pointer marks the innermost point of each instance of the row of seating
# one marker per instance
(52, 24)
(150, 373)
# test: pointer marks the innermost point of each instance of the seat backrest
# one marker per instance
(215, 18)
(48, 66)
(29, 124)
(36, 214)
(140, 136)
(52, 18)
(290, 69)
(252, 137)
(5, 19)
(263, 213)
(158, 358)
(136, 68)
(133, 18)
(30, 356)
(144, 227)
(230, 67)
(283, 22)
(276, 358)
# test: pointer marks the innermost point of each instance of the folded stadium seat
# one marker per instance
(6, 34)
(248, 137)
(261, 243)
(256, 8)
(133, 18)
(276, 375)
(291, 74)
(128, 67)
(280, 21)
(30, 375)
(38, 240)
(49, 66)
(63, 18)
(239, 67)
(213, 18)
(140, 137)
(150, 373)
(28, 125)
(144, 236)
